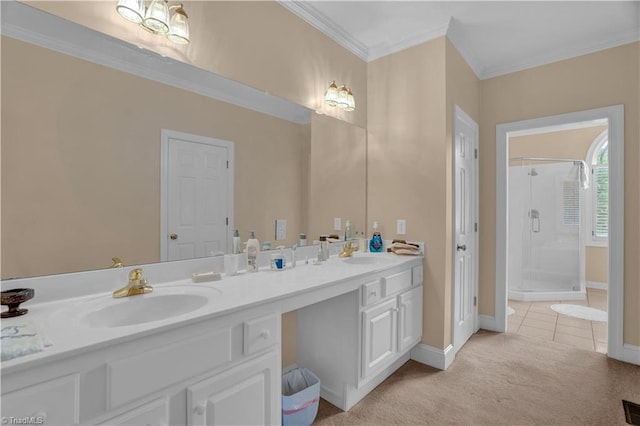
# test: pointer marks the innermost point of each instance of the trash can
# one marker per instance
(300, 397)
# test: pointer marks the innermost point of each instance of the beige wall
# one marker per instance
(604, 78)
(573, 143)
(81, 174)
(337, 176)
(258, 43)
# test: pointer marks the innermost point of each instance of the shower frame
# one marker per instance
(537, 296)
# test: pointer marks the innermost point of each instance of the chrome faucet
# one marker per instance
(348, 250)
(137, 285)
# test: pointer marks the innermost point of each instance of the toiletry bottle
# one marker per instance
(293, 255)
(303, 240)
(324, 248)
(236, 242)
(375, 245)
(253, 248)
(347, 230)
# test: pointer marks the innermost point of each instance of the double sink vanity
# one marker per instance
(210, 353)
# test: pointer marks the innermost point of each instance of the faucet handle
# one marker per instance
(135, 274)
(117, 262)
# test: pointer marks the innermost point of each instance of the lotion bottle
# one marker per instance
(253, 248)
(347, 230)
(236, 242)
(375, 245)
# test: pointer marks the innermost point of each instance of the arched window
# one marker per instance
(598, 159)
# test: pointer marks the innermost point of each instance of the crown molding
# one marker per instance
(321, 22)
(33, 26)
(417, 38)
(560, 54)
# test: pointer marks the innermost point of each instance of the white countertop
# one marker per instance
(64, 327)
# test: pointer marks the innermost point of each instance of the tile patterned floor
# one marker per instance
(537, 319)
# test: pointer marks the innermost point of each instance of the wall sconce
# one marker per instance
(157, 18)
(340, 97)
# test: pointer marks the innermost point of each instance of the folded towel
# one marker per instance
(22, 339)
(403, 248)
(584, 175)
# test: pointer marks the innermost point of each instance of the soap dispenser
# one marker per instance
(236, 242)
(253, 248)
(375, 245)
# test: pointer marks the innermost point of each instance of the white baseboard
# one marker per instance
(631, 354)
(433, 357)
(594, 284)
(489, 323)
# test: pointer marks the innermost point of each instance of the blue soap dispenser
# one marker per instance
(375, 245)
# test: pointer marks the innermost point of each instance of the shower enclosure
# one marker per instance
(545, 250)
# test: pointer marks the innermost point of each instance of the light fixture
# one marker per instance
(157, 18)
(131, 10)
(331, 95)
(340, 97)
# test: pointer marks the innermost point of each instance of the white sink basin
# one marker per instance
(367, 260)
(161, 304)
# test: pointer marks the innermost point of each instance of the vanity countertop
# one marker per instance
(64, 326)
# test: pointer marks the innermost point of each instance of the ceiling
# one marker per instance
(495, 38)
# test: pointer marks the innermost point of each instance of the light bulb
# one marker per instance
(351, 102)
(343, 94)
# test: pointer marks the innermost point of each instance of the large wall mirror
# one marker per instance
(81, 154)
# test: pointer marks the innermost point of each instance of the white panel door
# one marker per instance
(409, 318)
(246, 395)
(464, 244)
(197, 210)
(380, 336)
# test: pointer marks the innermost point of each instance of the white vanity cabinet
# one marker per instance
(354, 341)
(221, 371)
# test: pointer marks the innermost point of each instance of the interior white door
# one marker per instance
(465, 232)
(197, 199)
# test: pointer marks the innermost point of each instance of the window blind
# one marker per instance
(571, 203)
(601, 202)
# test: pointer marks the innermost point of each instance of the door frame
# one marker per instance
(615, 116)
(164, 182)
(460, 115)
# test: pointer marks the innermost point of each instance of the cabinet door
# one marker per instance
(248, 394)
(379, 337)
(409, 318)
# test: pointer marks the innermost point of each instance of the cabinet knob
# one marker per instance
(199, 409)
(265, 334)
(173, 236)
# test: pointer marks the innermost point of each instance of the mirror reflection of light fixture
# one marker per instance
(340, 97)
(157, 18)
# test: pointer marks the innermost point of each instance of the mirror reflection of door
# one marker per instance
(197, 196)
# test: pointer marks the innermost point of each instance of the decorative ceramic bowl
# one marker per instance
(13, 298)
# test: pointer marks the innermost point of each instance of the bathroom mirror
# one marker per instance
(81, 164)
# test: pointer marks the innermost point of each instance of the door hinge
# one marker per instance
(227, 221)
(475, 300)
(475, 226)
(227, 164)
(475, 153)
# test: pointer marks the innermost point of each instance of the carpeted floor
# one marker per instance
(500, 379)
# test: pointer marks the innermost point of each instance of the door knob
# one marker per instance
(173, 236)
(462, 247)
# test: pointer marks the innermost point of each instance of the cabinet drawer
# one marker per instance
(371, 293)
(152, 413)
(260, 333)
(54, 402)
(139, 375)
(396, 283)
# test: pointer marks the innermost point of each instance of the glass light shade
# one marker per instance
(331, 95)
(351, 102)
(179, 27)
(131, 10)
(157, 17)
(343, 95)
